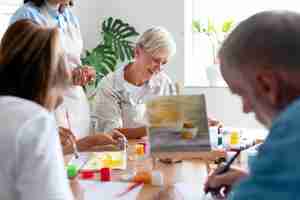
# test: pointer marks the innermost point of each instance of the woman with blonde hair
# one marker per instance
(120, 100)
(33, 78)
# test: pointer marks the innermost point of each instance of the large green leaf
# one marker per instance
(119, 35)
(116, 44)
(101, 58)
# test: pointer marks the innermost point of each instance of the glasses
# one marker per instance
(158, 61)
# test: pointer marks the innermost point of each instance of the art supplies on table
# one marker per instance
(178, 124)
(96, 165)
(154, 178)
(113, 160)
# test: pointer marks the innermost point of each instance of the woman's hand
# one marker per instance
(214, 122)
(94, 142)
(104, 139)
(227, 179)
(83, 75)
(117, 135)
(66, 136)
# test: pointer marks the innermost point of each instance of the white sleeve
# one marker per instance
(108, 110)
(40, 165)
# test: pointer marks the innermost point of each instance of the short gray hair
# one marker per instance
(269, 39)
(155, 39)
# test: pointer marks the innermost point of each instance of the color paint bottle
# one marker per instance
(105, 174)
(72, 171)
(220, 139)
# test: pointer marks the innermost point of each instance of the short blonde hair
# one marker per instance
(155, 39)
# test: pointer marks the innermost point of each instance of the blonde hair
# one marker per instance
(155, 39)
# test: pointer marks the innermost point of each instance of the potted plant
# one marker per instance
(115, 45)
(215, 34)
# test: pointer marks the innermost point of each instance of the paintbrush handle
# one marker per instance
(223, 169)
(74, 145)
(130, 188)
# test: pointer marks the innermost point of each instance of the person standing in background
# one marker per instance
(56, 13)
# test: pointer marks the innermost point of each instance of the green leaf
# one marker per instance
(227, 25)
(129, 56)
(121, 53)
(196, 26)
(210, 26)
(115, 45)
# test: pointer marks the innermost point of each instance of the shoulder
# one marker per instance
(284, 134)
(23, 107)
(20, 111)
(28, 11)
(25, 122)
(290, 112)
(287, 123)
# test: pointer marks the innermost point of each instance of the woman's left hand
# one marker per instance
(214, 122)
(83, 75)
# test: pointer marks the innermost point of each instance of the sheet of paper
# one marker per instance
(94, 190)
(113, 160)
(191, 191)
(98, 160)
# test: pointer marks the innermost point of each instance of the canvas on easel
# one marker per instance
(178, 124)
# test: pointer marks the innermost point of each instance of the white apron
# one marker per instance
(75, 100)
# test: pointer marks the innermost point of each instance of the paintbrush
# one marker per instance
(74, 145)
(129, 188)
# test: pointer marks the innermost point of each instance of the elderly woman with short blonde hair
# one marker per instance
(120, 100)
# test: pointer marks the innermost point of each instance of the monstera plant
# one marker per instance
(116, 45)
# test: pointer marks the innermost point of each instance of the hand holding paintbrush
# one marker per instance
(221, 180)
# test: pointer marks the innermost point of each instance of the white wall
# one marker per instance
(168, 13)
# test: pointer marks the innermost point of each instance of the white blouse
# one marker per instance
(32, 166)
(120, 104)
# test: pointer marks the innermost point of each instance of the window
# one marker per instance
(200, 70)
(7, 8)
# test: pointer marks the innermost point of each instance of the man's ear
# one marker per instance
(268, 85)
